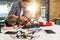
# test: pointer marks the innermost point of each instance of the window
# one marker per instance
(43, 11)
(44, 8)
(4, 9)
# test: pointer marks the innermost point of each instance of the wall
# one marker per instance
(54, 9)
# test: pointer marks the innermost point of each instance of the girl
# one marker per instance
(25, 19)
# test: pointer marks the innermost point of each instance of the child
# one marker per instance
(10, 22)
(25, 19)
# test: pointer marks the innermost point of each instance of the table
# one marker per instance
(43, 34)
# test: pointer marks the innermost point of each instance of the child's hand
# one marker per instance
(4, 28)
(21, 26)
(28, 23)
(15, 26)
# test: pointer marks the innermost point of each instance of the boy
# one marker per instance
(10, 22)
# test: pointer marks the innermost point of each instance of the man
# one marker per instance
(18, 6)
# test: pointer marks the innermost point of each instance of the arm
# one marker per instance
(7, 28)
(13, 9)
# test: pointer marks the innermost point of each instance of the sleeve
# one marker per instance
(13, 9)
(5, 22)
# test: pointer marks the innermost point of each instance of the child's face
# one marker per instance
(27, 14)
(13, 21)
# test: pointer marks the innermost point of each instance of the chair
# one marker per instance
(1, 25)
(57, 21)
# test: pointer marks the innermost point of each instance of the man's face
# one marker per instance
(24, 4)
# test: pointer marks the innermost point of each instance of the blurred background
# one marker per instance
(48, 9)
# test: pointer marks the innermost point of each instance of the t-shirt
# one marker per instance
(7, 24)
(25, 22)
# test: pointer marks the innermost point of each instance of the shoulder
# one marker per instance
(6, 21)
(16, 3)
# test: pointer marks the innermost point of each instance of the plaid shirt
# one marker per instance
(15, 9)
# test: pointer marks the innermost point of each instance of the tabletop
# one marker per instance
(42, 34)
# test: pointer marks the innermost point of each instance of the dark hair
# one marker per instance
(25, 0)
